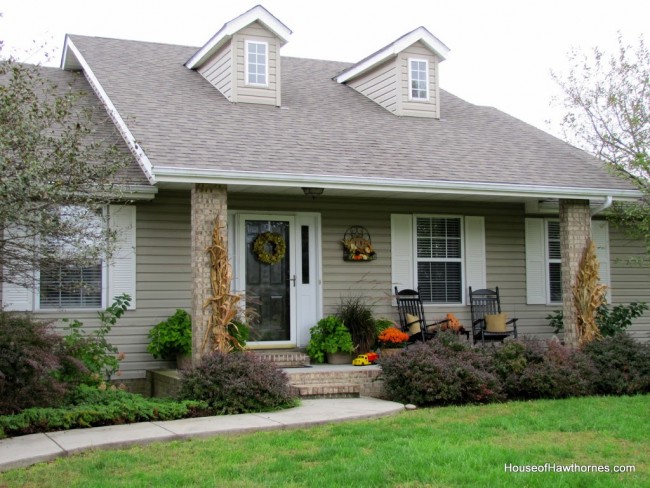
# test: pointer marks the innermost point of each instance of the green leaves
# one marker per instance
(171, 337)
(330, 335)
(51, 156)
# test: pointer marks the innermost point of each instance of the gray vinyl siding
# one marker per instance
(505, 257)
(219, 71)
(430, 108)
(163, 280)
(505, 253)
(269, 95)
(630, 281)
(379, 85)
(164, 271)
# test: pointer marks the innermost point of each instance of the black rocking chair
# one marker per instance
(411, 316)
(488, 323)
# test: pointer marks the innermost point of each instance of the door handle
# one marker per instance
(294, 280)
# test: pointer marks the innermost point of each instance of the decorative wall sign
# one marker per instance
(357, 245)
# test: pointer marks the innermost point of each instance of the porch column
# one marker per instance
(208, 203)
(575, 232)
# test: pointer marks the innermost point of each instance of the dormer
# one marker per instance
(403, 76)
(242, 60)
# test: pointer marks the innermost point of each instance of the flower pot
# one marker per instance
(390, 351)
(183, 361)
(339, 358)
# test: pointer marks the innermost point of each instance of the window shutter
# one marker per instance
(600, 236)
(402, 260)
(535, 262)
(16, 298)
(475, 272)
(121, 268)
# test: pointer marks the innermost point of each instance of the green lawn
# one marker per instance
(454, 446)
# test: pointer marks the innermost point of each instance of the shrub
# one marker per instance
(236, 383)
(357, 317)
(171, 337)
(93, 349)
(610, 321)
(92, 407)
(531, 369)
(329, 336)
(32, 358)
(623, 365)
(439, 372)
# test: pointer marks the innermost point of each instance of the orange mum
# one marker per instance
(393, 336)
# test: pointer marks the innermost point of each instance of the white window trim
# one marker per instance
(462, 260)
(410, 85)
(118, 275)
(404, 262)
(104, 281)
(266, 65)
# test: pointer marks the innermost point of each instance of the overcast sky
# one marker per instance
(502, 51)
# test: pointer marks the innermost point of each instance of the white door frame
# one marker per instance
(307, 301)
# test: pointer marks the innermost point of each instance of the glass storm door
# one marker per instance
(270, 287)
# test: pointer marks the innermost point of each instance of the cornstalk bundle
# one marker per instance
(223, 303)
(588, 295)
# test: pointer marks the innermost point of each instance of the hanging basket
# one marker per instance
(357, 245)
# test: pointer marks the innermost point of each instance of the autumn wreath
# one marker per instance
(261, 247)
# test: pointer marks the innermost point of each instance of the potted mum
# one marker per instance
(392, 340)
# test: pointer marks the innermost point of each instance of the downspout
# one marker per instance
(604, 206)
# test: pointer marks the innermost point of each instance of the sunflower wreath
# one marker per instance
(260, 246)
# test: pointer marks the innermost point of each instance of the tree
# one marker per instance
(58, 168)
(607, 112)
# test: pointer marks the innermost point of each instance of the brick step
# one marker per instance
(318, 377)
(324, 381)
(330, 390)
(285, 359)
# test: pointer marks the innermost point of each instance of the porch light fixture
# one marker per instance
(312, 191)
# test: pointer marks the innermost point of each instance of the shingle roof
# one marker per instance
(104, 131)
(323, 127)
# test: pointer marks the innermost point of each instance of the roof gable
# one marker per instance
(393, 49)
(257, 13)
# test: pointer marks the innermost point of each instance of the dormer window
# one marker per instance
(419, 79)
(257, 63)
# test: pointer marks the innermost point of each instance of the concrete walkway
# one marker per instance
(30, 449)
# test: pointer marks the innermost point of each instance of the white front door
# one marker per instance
(285, 295)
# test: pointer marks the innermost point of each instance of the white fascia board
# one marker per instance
(257, 13)
(393, 49)
(176, 175)
(140, 156)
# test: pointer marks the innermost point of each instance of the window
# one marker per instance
(439, 259)
(71, 287)
(256, 63)
(66, 285)
(554, 261)
(419, 79)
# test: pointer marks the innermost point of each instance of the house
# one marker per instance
(451, 195)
